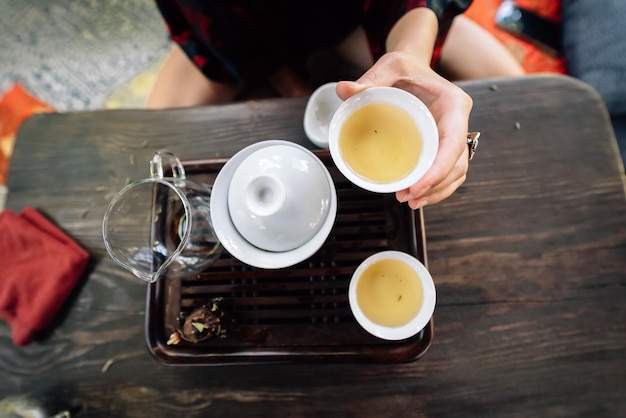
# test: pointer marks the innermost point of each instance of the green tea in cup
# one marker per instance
(392, 295)
(380, 142)
(389, 293)
(383, 139)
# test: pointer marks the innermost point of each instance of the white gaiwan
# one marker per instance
(273, 204)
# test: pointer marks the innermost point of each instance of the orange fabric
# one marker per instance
(15, 106)
(532, 59)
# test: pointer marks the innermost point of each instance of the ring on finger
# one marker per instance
(472, 143)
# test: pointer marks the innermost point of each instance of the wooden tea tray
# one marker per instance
(296, 314)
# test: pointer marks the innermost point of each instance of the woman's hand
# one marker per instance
(450, 107)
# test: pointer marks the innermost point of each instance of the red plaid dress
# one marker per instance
(244, 41)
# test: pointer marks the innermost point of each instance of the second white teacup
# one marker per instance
(392, 295)
(319, 111)
(383, 139)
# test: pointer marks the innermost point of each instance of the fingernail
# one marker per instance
(406, 198)
(419, 205)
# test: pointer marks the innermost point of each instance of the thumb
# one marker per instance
(375, 76)
(347, 89)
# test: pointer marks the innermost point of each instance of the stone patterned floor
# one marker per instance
(82, 54)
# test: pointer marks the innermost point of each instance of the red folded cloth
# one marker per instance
(39, 267)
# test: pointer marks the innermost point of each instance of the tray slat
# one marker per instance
(294, 314)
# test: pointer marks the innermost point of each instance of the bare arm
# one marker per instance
(180, 84)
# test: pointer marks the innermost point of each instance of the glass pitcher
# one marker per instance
(161, 224)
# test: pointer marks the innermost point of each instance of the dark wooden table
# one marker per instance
(528, 256)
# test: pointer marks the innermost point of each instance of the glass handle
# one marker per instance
(156, 165)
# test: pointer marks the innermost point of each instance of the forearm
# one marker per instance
(415, 33)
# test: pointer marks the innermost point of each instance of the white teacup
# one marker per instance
(392, 295)
(383, 139)
(319, 111)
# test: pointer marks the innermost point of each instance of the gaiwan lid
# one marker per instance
(279, 197)
(273, 204)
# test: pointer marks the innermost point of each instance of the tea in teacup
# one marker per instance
(380, 142)
(383, 139)
(389, 293)
(392, 295)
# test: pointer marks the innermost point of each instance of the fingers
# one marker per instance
(437, 197)
(450, 166)
(441, 191)
(449, 169)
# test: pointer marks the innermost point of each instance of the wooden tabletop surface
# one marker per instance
(528, 256)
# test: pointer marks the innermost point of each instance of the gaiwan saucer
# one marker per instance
(235, 243)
